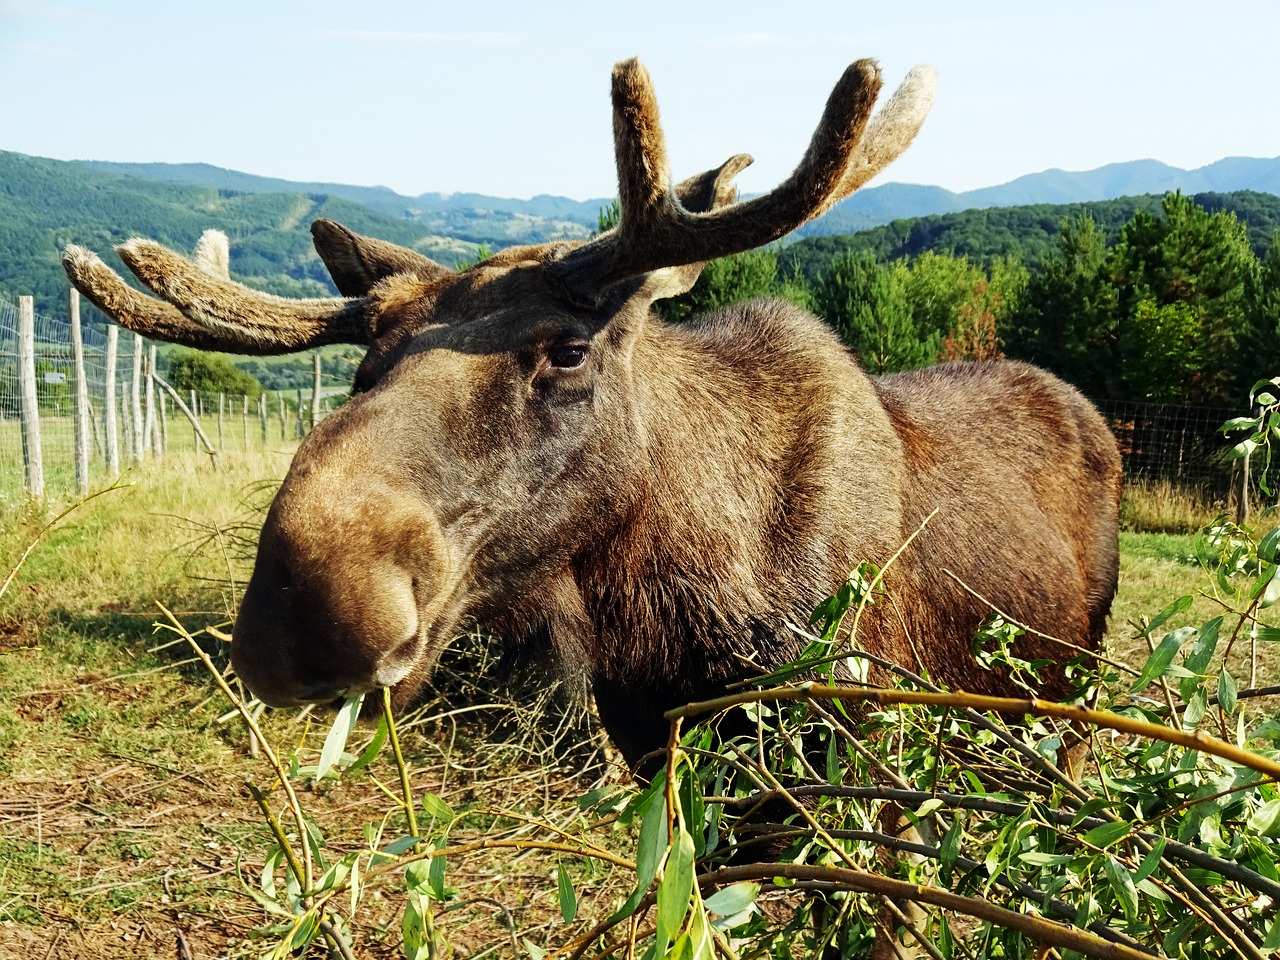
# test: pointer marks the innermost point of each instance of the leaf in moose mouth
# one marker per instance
(334, 743)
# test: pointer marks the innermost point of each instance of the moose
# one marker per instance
(530, 450)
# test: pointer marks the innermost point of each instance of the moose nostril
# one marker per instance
(398, 663)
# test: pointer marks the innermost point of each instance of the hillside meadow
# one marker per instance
(128, 824)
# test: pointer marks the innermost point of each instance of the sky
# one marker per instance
(512, 98)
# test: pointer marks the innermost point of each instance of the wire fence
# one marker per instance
(132, 417)
(130, 414)
(1181, 445)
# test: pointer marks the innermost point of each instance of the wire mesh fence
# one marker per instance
(131, 415)
(88, 419)
(1182, 445)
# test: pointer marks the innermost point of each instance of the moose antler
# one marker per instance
(656, 230)
(205, 309)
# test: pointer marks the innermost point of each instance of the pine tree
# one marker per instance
(868, 308)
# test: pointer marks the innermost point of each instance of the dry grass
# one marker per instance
(125, 821)
(1158, 506)
(124, 817)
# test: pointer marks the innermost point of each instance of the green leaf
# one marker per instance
(417, 875)
(949, 850)
(1105, 835)
(435, 879)
(1268, 585)
(930, 805)
(437, 809)
(1195, 710)
(733, 899)
(568, 901)
(1272, 942)
(1178, 606)
(1206, 643)
(650, 845)
(414, 927)
(1038, 859)
(1122, 885)
(268, 879)
(334, 876)
(1266, 634)
(676, 887)
(1269, 546)
(372, 750)
(1161, 657)
(400, 845)
(1239, 423)
(1266, 819)
(1242, 449)
(306, 930)
(1150, 861)
(1226, 691)
(534, 951)
(343, 724)
(1089, 808)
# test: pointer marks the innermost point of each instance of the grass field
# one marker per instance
(125, 815)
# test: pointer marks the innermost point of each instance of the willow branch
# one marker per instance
(1033, 706)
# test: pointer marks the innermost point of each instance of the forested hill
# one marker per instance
(46, 204)
(1028, 233)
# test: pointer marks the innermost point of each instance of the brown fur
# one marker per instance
(660, 512)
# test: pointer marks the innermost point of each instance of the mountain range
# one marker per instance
(46, 204)
(488, 219)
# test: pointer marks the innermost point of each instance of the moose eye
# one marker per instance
(567, 356)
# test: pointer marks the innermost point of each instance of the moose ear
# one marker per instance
(356, 262)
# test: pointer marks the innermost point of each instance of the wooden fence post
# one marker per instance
(283, 428)
(126, 418)
(135, 399)
(164, 422)
(195, 421)
(152, 429)
(82, 395)
(30, 404)
(315, 394)
(109, 412)
(222, 402)
(262, 416)
(244, 424)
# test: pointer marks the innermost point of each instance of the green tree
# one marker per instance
(1065, 316)
(868, 307)
(1260, 340)
(209, 373)
(935, 286)
(966, 306)
(733, 279)
(1200, 262)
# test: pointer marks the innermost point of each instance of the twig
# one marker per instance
(281, 773)
(405, 786)
(1196, 740)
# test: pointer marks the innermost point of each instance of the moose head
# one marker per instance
(530, 449)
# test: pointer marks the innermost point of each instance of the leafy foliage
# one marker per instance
(210, 374)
